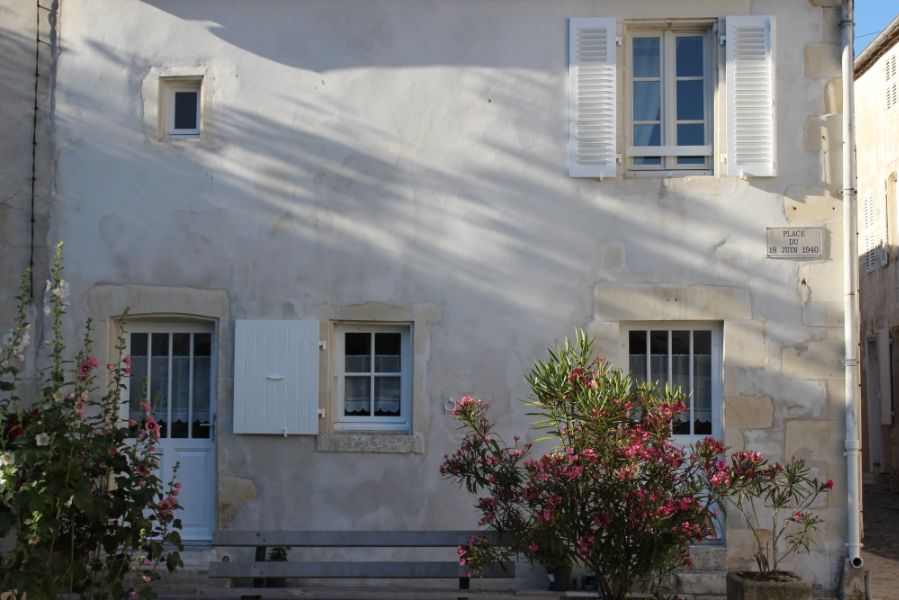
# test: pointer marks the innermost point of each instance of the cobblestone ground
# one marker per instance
(881, 542)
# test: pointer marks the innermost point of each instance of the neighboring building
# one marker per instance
(877, 143)
(330, 219)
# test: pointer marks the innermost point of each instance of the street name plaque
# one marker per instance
(795, 242)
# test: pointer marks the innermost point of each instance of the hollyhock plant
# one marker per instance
(615, 495)
(81, 502)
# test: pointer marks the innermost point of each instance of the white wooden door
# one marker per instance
(173, 369)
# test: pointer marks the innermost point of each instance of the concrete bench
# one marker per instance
(262, 540)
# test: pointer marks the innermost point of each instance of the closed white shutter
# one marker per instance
(276, 377)
(592, 97)
(869, 251)
(751, 132)
(886, 378)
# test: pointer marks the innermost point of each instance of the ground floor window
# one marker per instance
(374, 376)
(171, 368)
(684, 355)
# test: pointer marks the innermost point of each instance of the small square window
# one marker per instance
(374, 377)
(180, 114)
(670, 84)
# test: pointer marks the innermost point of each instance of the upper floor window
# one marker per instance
(670, 100)
(667, 75)
(180, 106)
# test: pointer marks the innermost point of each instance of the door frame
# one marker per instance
(182, 324)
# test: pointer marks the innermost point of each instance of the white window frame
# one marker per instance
(169, 86)
(173, 326)
(717, 387)
(373, 423)
(669, 152)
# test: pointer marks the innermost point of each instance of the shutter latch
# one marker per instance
(322, 345)
(722, 39)
(321, 413)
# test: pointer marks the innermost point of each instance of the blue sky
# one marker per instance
(870, 17)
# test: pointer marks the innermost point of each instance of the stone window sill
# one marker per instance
(371, 442)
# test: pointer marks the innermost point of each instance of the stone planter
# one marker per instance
(789, 586)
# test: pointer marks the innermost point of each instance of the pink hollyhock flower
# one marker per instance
(178, 485)
(132, 423)
(79, 408)
(533, 547)
(110, 366)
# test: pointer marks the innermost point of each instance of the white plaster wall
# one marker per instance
(408, 153)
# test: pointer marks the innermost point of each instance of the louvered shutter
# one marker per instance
(276, 377)
(592, 97)
(886, 379)
(869, 233)
(751, 135)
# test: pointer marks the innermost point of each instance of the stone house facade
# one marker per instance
(330, 220)
(877, 109)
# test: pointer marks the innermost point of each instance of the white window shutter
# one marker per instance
(592, 115)
(751, 131)
(276, 377)
(869, 233)
(886, 379)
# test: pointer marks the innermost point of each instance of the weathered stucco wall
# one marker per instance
(411, 155)
(17, 33)
(877, 147)
(26, 145)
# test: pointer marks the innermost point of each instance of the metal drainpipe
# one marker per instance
(850, 276)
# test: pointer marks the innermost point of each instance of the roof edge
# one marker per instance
(879, 46)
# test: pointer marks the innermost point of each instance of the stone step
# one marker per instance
(709, 558)
(702, 582)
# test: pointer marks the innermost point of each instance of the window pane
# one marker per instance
(647, 101)
(691, 135)
(358, 352)
(637, 355)
(185, 110)
(137, 385)
(690, 103)
(387, 352)
(180, 383)
(691, 160)
(159, 379)
(646, 56)
(689, 56)
(648, 160)
(658, 364)
(680, 376)
(647, 135)
(202, 385)
(702, 382)
(387, 396)
(357, 400)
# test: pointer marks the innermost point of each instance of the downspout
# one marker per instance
(850, 275)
